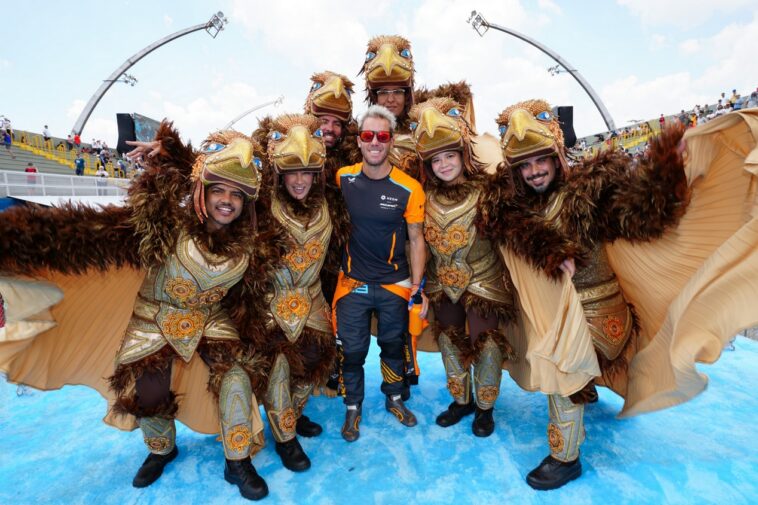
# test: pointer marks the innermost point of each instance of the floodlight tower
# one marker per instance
(213, 26)
(481, 25)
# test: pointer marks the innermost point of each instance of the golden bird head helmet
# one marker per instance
(438, 125)
(389, 62)
(231, 158)
(295, 144)
(529, 129)
(330, 94)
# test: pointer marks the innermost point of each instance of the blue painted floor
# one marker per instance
(55, 449)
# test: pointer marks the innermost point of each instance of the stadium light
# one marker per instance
(481, 25)
(125, 78)
(216, 24)
(478, 23)
(557, 69)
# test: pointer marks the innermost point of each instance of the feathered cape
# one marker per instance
(97, 258)
(693, 288)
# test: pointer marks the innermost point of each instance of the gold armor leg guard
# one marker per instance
(159, 434)
(565, 432)
(458, 379)
(235, 412)
(300, 395)
(281, 415)
(488, 370)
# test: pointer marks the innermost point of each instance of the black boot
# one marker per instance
(307, 428)
(152, 468)
(454, 413)
(293, 456)
(483, 424)
(243, 475)
(552, 474)
(396, 406)
(350, 430)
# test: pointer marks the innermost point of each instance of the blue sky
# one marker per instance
(644, 57)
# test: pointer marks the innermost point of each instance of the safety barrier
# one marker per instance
(21, 184)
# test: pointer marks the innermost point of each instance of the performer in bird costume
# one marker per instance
(389, 71)
(632, 229)
(185, 236)
(330, 100)
(467, 286)
(286, 318)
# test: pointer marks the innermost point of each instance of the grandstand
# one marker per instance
(634, 138)
(52, 156)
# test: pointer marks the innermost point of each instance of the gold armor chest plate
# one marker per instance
(179, 302)
(608, 315)
(462, 260)
(297, 298)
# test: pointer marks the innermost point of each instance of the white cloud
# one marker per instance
(689, 46)
(199, 116)
(727, 62)
(4, 63)
(549, 5)
(731, 59)
(316, 38)
(682, 13)
(76, 108)
(100, 128)
(306, 32)
(168, 20)
(658, 41)
(630, 99)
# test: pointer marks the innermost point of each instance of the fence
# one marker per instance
(39, 184)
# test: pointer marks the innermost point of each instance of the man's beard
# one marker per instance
(541, 189)
(380, 162)
(337, 140)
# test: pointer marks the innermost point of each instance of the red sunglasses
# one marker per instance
(368, 135)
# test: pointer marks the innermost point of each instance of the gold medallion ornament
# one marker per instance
(288, 420)
(182, 329)
(301, 258)
(446, 241)
(613, 328)
(180, 289)
(452, 276)
(181, 325)
(239, 437)
(487, 394)
(555, 438)
(455, 387)
(292, 306)
(157, 445)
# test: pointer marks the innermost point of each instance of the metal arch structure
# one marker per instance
(481, 25)
(276, 102)
(213, 26)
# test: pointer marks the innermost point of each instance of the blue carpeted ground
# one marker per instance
(55, 449)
